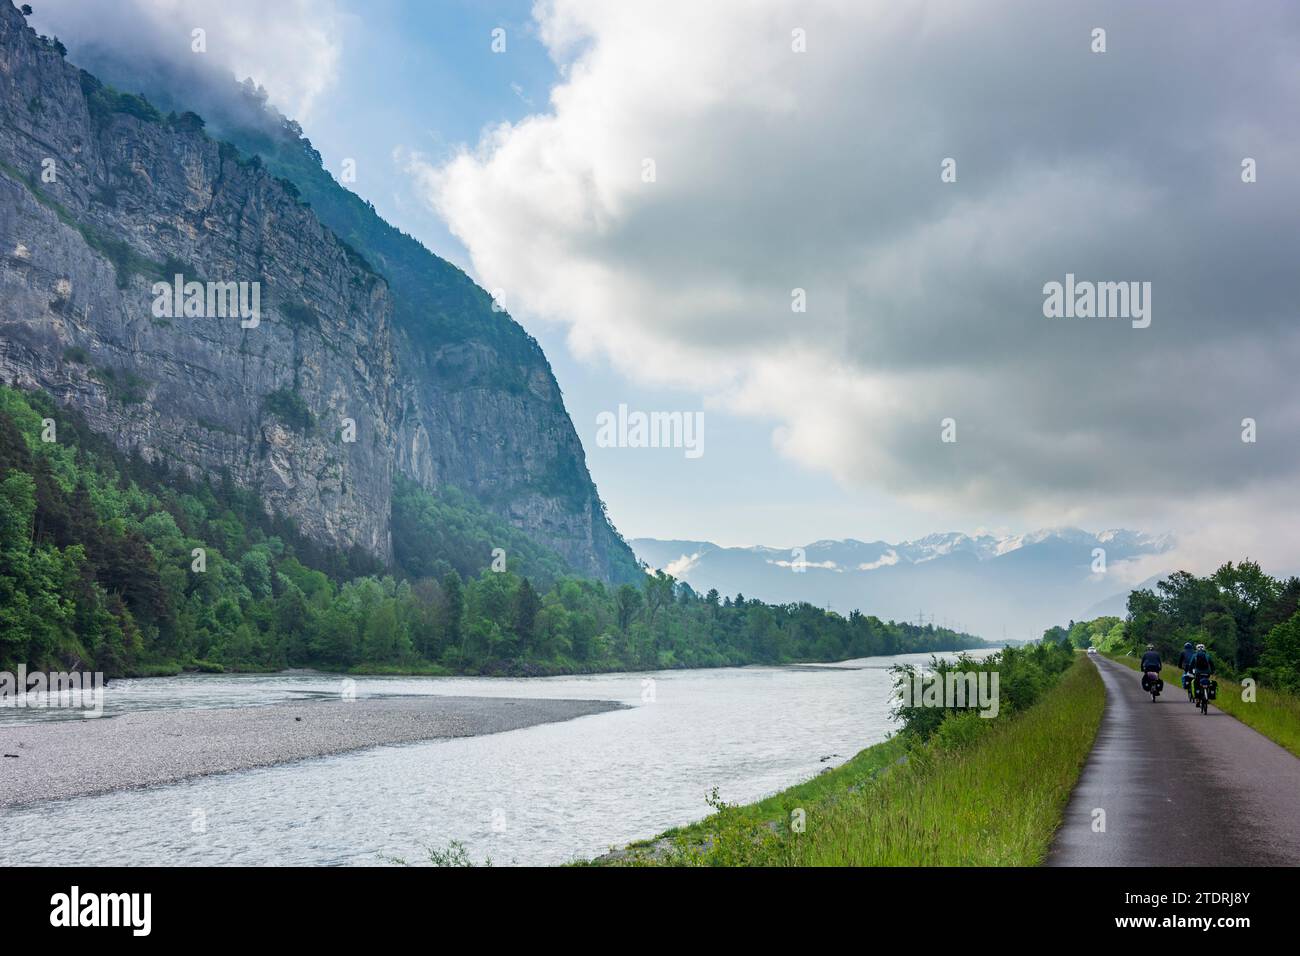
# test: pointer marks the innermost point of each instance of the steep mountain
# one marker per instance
(102, 196)
(988, 585)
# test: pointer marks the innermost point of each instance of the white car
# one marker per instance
(1092, 650)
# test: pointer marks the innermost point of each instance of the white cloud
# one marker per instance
(682, 565)
(887, 559)
(291, 47)
(821, 565)
(777, 170)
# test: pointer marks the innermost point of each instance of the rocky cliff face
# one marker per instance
(98, 201)
(515, 449)
(318, 402)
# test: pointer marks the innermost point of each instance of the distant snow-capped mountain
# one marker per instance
(995, 586)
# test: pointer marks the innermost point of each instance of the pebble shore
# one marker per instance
(54, 760)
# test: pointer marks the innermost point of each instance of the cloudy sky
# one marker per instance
(800, 146)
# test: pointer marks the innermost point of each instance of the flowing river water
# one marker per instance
(545, 794)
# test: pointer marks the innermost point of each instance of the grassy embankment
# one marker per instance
(1274, 713)
(992, 796)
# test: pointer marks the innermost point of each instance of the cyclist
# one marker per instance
(1185, 664)
(1150, 664)
(1202, 664)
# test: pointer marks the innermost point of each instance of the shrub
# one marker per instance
(288, 406)
(123, 386)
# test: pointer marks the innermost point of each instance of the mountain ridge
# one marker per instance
(444, 390)
(988, 583)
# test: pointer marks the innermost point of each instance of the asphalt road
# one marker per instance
(1179, 788)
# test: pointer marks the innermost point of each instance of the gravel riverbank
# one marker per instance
(70, 758)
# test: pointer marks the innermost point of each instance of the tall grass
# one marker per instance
(1274, 713)
(994, 803)
(990, 797)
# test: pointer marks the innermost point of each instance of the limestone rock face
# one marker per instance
(317, 402)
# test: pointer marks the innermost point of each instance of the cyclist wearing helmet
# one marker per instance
(1202, 664)
(1185, 665)
(1204, 685)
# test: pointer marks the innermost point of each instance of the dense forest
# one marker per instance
(1249, 621)
(111, 563)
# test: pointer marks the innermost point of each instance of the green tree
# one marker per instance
(526, 607)
(629, 603)
(1281, 657)
(454, 608)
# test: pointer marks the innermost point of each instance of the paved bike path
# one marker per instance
(1179, 788)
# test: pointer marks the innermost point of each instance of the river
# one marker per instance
(541, 795)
